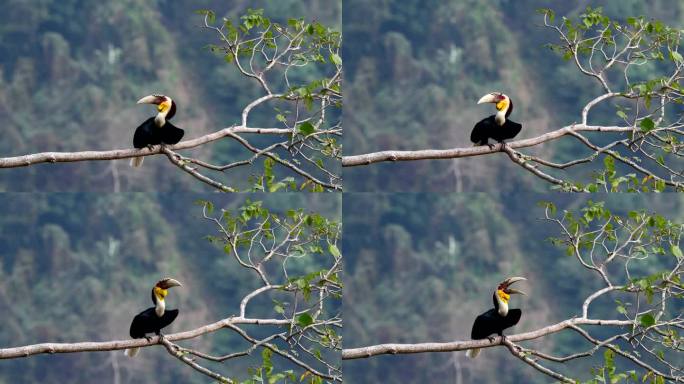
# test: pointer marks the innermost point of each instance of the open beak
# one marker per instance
(490, 98)
(505, 285)
(151, 99)
(511, 291)
(168, 283)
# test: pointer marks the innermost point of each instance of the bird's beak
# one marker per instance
(151, 99)
(512, 291)
(508, 282)
(488, 98)
(512, 280)
(168, 283)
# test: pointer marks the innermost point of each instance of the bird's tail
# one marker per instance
(472, 353)
(137, 161)
(131, 352)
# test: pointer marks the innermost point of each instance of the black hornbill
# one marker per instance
(498, 318)
(153, 319)
(158, 129)
(496, 127)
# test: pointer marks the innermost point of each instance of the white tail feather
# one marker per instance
(131, 352)
(472, 353)
(137, 161)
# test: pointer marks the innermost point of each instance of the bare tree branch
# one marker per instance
(394, 348)
(425, 154)
(92, 346)
(175, 352)
(60, 157)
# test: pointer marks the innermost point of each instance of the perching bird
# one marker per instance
(498, 318)
(158, 129)
(496, 127)
(153, 319)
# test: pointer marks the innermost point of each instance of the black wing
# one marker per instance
(147, 321)
(143, 323)
(168, 318)
(511, 319)
(146, 134)
(170, 134)
(490, 323)
(484, 325)
(509, 130)
(482, 131)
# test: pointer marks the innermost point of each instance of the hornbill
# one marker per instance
(498, 318)
(153, 319)
(158, 129)
(496, 127)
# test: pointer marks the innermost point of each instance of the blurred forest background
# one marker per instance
(72, 70)
(416, 68)
(421, 267)
(78, 267)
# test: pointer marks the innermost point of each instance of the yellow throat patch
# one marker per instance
(503, 296)
(164, 106)
(502, 105)
(160, 293)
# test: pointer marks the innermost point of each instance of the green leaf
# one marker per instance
(301, 283)
(609, 163)
(622, 114)
(647, 125)
(335, 59)
(306, 128)
(266, 357)
(609, 357)
(677, 251)
(647, 320)
(334, 251)
(210, 15)
(304, 320)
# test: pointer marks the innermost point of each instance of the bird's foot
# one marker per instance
(503, 146)
(503, 339)
(490, 145)
(161, 337)
(491, 338)
(148, 338)
(150, 146)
